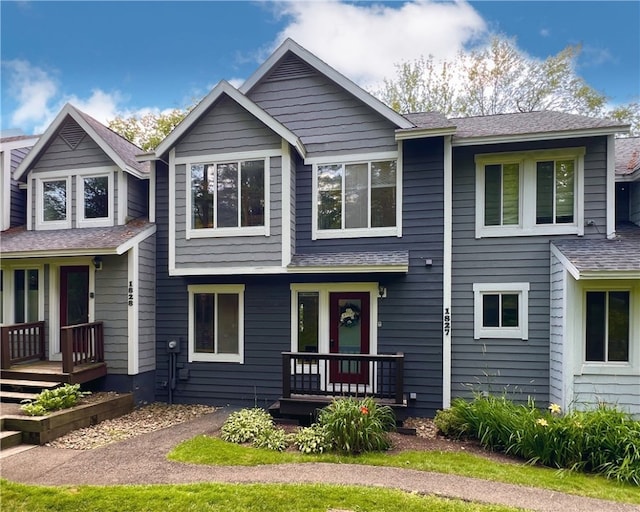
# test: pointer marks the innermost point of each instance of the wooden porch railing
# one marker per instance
(81, 344)
(378, 376)
(21, 342)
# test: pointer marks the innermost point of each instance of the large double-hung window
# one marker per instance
(530, 193)
(360, 198)
(228, 197)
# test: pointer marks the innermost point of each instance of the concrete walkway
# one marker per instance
(142, 460)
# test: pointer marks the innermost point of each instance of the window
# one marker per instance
(229, 195)
(216, 323)
(54, 208)
(356, 199)
(501, 310)
(95, 200)
(607, 326)
(532, 193)
(21, 298)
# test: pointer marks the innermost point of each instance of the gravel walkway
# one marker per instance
(142, 460)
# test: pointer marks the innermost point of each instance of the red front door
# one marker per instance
(349, 332)
(74, 295)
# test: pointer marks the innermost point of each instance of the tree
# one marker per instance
(148, 130)
(498, 79)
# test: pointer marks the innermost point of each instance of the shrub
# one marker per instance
(451, 423)
(53, 400)
(357, 426)
(271, 438)
(604, 440)
(313, 439)
(245, 426)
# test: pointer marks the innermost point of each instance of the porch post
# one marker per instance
(400, 378)
(5, 350)
(286, 375)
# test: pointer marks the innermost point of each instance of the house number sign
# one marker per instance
(130, 293)
(447, 321)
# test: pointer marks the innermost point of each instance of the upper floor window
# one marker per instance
(95, 200)
(530, 193)
(355, 199)
(608, 322)
(53, 210)
(229, 197)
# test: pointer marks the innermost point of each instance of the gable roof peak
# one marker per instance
(119, 149)
(291, 46)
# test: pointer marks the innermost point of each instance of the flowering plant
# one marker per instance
(349, 315)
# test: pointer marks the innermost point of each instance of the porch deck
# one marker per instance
(51, 371)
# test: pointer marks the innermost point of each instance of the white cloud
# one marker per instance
(32, 88)
(365, 41)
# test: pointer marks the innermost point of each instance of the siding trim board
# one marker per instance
(446, 272)
(133, 324)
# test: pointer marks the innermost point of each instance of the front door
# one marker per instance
(74, 295)
(349, 334)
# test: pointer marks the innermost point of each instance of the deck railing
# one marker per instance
(378, 376)
(81, 344)
(21, 342)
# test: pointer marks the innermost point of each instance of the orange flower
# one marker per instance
(364, 410)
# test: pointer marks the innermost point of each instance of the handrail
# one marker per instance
(21, 342)
(338, 374)
(81, 344)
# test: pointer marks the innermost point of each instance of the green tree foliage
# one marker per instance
(497, 79)
(148, 130)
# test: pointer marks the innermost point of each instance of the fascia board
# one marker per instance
(534, 137)
(424, 133)
(59, 253)
(26, 142)
(349, 269)
(332, 74)
(226, 88)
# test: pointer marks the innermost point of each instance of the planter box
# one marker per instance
(42, 429)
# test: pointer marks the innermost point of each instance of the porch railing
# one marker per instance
(378, 376)
(21, 342)
(81, 344)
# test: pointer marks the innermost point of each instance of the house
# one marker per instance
(304, 241)
(78, 275)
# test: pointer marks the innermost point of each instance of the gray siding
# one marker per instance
(634, 203)
(519, 366)
(137, 197)
(111, 307)
(327, 118)
(18, 214)
(621, 391)
(556, 332)
(234, 251)
(147, 305)
(226, 128)
(59, 155)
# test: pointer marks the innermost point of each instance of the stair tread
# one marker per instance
(42, 384)
(17, 394)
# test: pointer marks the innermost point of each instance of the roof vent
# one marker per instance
(288, 68)
(72, 133)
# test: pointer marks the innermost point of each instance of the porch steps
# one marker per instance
(17, 390)
(16, 396)
(9, 439)
(17, 383)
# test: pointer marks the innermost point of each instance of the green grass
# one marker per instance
(225, 497)
(214, 451)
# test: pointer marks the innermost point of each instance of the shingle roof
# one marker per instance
(621, 254)
(344, 260)
(19, 241)
(627, 155)
(528, 123)
(125, 149)
(429, 120)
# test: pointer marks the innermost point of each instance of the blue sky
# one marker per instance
(111, 58)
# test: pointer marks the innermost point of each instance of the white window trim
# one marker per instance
(83, 222)
(42, 224)
(8, 287)
(265, 230)
(520, 332)
(368, 158)
(527, 207)
(216, 289)
(631, 367)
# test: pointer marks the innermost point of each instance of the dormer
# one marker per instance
(12, 200)
(80, 174)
